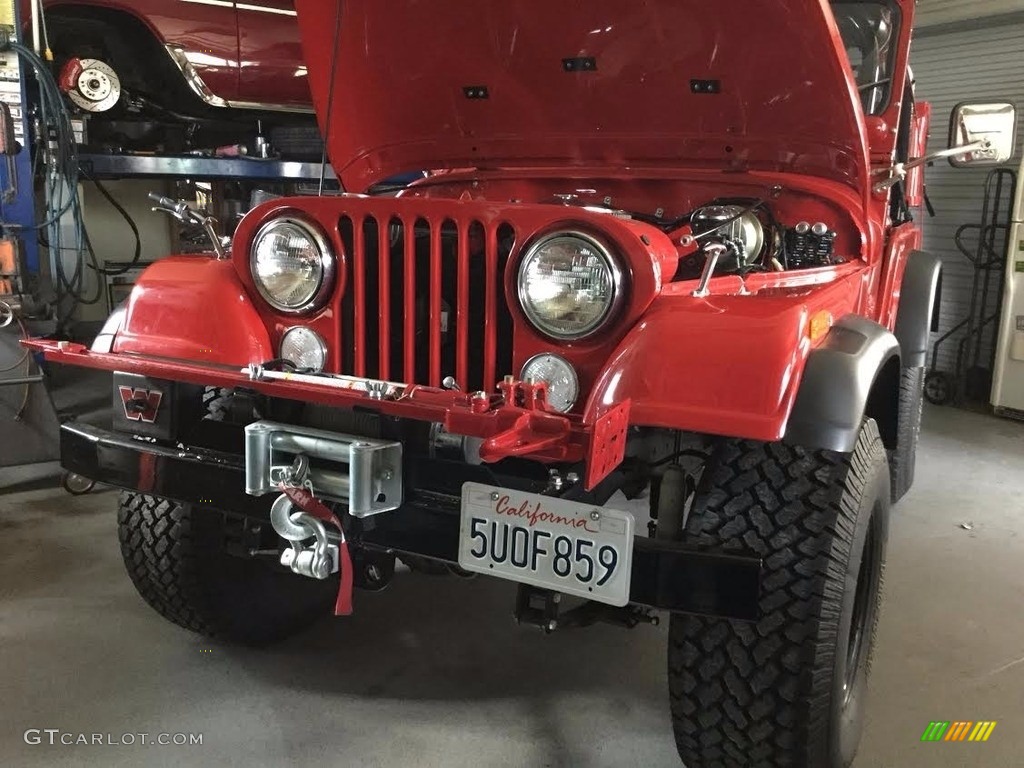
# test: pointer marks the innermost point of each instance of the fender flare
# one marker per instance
(918, 294)
(837, 384)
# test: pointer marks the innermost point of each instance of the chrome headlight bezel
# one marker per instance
(608, 260)
(328, 266)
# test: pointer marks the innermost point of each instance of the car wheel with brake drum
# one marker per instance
(178, 558)
(788, 689)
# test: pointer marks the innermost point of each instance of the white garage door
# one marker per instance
(934, 12)
(985, 62)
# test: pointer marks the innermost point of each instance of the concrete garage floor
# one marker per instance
(433, 672)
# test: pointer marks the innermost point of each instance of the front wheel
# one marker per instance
(788, 689)
(178, 559)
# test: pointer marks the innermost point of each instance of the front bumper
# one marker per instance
(665, 575)
(515, 422)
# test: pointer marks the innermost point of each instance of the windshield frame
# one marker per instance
(871, 103)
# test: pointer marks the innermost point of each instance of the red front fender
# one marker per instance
(724, 365)
(193, 308)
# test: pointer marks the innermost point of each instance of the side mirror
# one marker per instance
(972, 124)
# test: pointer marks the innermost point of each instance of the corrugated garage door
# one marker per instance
(985, 62)
(932, 12)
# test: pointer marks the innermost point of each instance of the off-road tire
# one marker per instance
(216, 403)
(903, 459)
(772, 692)
(176, 558)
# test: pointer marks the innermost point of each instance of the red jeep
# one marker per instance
(650, 336)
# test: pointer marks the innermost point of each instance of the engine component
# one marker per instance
(737, 228)
(744, 231)
(810, 245)
(92, 85)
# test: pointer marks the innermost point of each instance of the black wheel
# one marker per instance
(904, 457)
(939, 388)
(177, 557)
(787, 690)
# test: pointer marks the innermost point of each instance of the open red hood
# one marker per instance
(420, 84)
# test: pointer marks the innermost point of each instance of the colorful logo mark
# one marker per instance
(959, 730)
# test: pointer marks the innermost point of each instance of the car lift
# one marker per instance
(28, 422)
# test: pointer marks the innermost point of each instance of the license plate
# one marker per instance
(564, 546)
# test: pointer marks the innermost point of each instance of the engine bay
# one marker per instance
(752, 228)
(747, 237)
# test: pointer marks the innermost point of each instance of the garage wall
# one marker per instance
(934, 12)
(952, 65)
(111, 237)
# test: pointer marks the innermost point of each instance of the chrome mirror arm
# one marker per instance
(898, 172)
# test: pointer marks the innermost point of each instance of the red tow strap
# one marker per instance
(309, 504)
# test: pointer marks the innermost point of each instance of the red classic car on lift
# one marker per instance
(120, 60)
(670, 254)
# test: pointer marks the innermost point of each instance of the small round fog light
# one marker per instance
(305, 349)
(563, 384)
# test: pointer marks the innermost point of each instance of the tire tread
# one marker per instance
(759, 694)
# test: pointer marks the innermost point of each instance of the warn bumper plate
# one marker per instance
(564, 546)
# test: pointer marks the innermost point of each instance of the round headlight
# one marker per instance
(568, 285)
(563, 384)
(305, 349)
(292, 265)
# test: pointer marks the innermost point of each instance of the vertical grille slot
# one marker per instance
(346, 228)
(384, 287)
(501, 335)
(426, 299)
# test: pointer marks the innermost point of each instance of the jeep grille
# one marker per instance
(425, 300)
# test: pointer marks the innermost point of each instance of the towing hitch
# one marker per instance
(543, 608)
(298, 516)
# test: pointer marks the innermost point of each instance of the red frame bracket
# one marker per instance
(607, 444)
